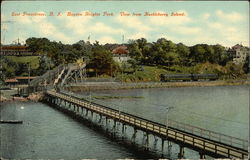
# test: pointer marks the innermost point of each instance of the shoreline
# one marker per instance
(118, 86)
(122, 86)
(37, 96)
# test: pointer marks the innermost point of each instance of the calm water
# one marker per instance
(224, 109)
(48, 133)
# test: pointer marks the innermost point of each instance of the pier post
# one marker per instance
(92, 114)
(169, 144)
(100, 118)
(114, 126)
(156, 140)
(181, 153)
(202, 155)
(147, 141)
(106, 121)
(162, 144)
(134, 135)
(86, 114)
(60, 102)
(123, 128)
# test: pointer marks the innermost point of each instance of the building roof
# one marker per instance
(237, 46)
(25, 77)
(14, 47)
(13, 80)
(120, 50)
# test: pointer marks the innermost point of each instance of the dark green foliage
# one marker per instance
(101, 60)
(45, 64)
(162, 53)
(246, 65)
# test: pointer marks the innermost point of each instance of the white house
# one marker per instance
(121, 54)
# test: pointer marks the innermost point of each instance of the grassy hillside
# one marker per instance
(33, 60)
(149, 73)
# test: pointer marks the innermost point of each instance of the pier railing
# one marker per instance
(155, 126)
(219, 137)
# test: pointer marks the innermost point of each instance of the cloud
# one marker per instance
(4, 23)
(23, 19)
(230, 17)
(187, 30)
(106, 39)
(207, 27)
(170, 20)
(132, 22)
(41, 26)
(215, 25)
(103, 28)
(47, 29)
(205, 16)
(77, 24)
(137, 36)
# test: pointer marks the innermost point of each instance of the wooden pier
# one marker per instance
(205, 142)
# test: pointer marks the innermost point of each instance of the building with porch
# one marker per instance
(239, 53)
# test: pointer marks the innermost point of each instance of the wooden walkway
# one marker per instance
(205, 143)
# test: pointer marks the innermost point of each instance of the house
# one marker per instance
(121, 54)
(239, 53)
(15, 50)
(11, 82)
(18, 81)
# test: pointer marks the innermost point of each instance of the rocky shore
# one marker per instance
(32, 97)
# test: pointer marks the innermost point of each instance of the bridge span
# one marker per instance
(203, 141)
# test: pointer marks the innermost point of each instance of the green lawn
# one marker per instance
(150, 73)
(33, 60)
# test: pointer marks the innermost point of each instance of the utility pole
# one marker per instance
(249, 61)
(28, 65)
(4, 28)
(29, 73)
(120, 58)
(89, 38)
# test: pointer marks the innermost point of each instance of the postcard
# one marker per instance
(124, 80)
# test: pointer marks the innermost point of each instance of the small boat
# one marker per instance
(11, 121)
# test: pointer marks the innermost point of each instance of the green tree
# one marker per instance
(45, 64)
(184, 53)
(220, 55)
(102, 60)
(135, 51)
(134, 64)
(198, 53)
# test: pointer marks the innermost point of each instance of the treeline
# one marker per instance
(98, 57)
(161, 52)
(165, 54)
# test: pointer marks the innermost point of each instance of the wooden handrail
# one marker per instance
(204, 133)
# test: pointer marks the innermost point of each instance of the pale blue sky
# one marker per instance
(225, 22)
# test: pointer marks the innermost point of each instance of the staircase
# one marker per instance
(59, 76)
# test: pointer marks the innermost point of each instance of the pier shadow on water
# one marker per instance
(113, 130)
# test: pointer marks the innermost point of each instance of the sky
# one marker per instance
(210, 22)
